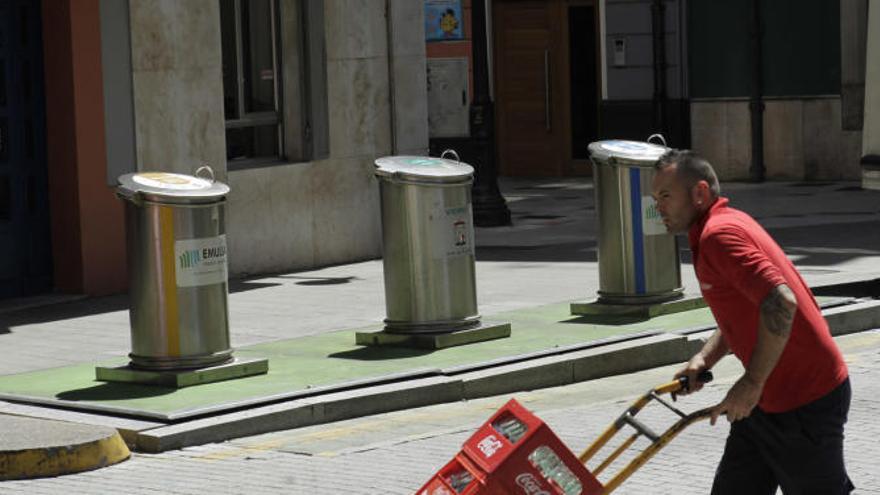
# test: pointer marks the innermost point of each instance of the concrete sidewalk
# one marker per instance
(526, 274)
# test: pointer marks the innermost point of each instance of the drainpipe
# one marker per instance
(658, 30)
(392, 100)
(756, 101)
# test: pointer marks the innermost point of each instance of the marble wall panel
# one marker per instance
(822, 138)
(408, 28)
(360, 118)
(179, 120)
(269, 219)
(168, 34)
(720, 131)
(356, 29)
(410, 105)
(783, 139)
(347, 230)
(708, 133)
(739, 140)
(803, 139)
(177, 85)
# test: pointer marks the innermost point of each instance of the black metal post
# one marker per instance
(756, 101)
(490, 208)
(658, 30)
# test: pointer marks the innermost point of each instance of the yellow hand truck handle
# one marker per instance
(657, 441)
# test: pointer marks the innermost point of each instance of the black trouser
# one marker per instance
(800, 450)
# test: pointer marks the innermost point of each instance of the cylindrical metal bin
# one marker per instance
(638, 258)
(176, 240)
(428, 244)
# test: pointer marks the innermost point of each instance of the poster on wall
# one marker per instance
(443, 20)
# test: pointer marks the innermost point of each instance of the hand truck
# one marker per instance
(516, 452)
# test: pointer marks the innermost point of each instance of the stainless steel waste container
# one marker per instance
(176, 241)
(638, 258)
(428, 244)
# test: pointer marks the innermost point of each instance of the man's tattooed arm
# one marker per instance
(777, 310)
(774, 327)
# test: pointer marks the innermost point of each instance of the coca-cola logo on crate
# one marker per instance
(489, 445)
(530, 484)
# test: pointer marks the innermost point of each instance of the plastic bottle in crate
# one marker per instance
(552, 468)
(512, 428)
(459, 480)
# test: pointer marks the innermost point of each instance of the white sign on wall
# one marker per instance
(448, 97)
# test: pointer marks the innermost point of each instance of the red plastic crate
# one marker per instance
(451, 479)
(515, 452)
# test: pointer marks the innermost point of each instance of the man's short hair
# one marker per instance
(691, 167)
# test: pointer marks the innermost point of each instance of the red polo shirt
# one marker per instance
(737, 264)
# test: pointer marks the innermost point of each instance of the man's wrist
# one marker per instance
(754, 380)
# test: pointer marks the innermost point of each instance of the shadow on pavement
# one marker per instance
(311, 281)
(245, 285)
(868, 288)
(114, 391)
(377, 353)
(62, 311)
(610, 320)
(567, 251)
(90, 306)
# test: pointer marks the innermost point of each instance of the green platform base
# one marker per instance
(595, 308)
(237, 368)
(484, 331)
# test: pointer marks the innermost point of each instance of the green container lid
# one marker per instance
(629, 153)
(424, 169)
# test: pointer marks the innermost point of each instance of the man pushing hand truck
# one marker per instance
(788, 409)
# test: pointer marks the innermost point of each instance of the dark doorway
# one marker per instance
(25, 252)
(584, 87)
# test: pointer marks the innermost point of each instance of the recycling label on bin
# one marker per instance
(200, 261)
(453, 231)
(652, 222)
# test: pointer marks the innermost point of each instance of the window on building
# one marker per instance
(251, 92)
(274, 81)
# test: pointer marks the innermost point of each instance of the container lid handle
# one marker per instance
(210, 172)
(659, 136)
(453, 153)
(127, 194)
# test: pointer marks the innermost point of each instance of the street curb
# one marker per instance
(102, 447)
(578, 366)
(854, 317)
(549, 371)
(298, 413)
